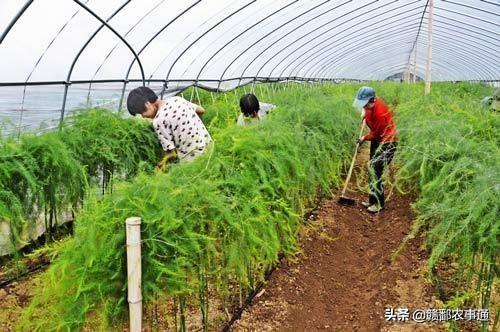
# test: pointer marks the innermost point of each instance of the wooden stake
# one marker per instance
(134, 271)
(428, 70)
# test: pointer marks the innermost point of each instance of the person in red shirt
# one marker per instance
(383, 143)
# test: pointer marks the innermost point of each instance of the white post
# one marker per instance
(406, 74)
(133, 231)
(415, 64)
(428, 70)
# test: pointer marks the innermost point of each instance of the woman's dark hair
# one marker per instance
(137, 99)
(249, 104)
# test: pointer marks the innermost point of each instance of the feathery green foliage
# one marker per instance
(449, 150)
(18, 187)
(106, 143)
(45, 174)
(225, 216)
(59, 176)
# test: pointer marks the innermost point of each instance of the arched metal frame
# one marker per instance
(491, 3)
(117, 34)
(240, 34)
(464, 23)
(334, 65)
(418, 32)
(402, 38)
(231, 29)
(126, 34)
(467, 15)
(332, 62)
(147, 44)
(311, 40)
(328, 37)
(479, 57)
(14, 20)
(84, 46)
(166, 56)
(197, 39)
(341, 47)
(19, 14)
(307, 75)
(475, 8)
(461, 32)
(293, 30)
(442, 66)
(117, 44)
(36, 65)
(377, 69)
(336, 43)
(341, 56)
(305, 61)
(399, 67)
(333, 56)
(475, 50)
(267, 35)
(337, 47)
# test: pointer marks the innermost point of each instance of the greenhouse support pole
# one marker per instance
(428, 69)
(124, 87)
(415, 64)
(133, 233)
(65, 97)
(15, 19)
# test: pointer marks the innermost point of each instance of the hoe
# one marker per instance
(343, 199)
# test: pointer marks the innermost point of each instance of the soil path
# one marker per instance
(343, 279)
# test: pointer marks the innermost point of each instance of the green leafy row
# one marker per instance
(222, 219)
(45, 175)
(450, 153)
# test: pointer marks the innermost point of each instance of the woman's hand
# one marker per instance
(170, 156)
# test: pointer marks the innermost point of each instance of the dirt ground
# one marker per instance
(15, 297)
(343, 279)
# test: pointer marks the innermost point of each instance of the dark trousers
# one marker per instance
(381, 155)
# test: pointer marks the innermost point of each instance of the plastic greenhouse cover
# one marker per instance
(58, 54)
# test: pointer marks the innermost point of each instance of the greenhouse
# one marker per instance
(249, 165)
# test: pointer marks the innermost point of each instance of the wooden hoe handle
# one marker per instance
(353, 160)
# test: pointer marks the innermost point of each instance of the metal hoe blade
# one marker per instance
(346, 201)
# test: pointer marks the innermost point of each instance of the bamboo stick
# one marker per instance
(197, 95)
(428, 70)
(133, 231)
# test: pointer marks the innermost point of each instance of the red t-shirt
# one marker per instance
(379, 120)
